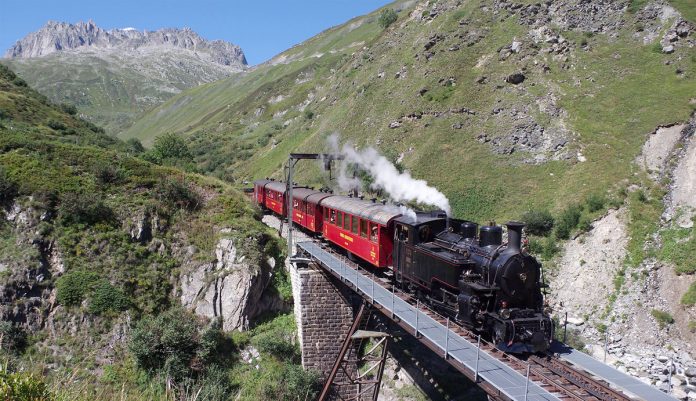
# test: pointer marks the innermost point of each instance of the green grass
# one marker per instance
(663, 318)
(679, 247)
(632, 91)
(689, 297)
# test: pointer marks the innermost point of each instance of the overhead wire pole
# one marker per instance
(292, 161)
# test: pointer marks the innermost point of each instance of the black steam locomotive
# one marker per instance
(470, 274)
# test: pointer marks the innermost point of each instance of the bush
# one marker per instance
(567, 221)
(539, 222)
(8, 189)
(68, 108)
(106, 297)
(172, 344)
(73, 287)
(79, 208)
(171, 146)
(56, 125)
(663, 318)
(275, 345)
(595, 202)
(135, 146)
(108, 174)
(12, 337)
(308, 114)
(387, 17)
(22, 386)
(176, 194)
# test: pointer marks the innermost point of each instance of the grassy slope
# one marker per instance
(614, 95)
(56, 165)
(106, 92)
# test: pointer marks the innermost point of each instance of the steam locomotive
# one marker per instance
(464, 270)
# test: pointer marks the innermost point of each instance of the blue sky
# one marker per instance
(261, 28)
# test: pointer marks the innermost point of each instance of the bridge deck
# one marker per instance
(619, 379)
(508, 381)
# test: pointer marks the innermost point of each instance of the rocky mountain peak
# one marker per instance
(58, 36)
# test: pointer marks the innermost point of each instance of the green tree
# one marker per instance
(387, 17)
(171, 146)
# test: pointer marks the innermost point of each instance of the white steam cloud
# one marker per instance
(401, 187)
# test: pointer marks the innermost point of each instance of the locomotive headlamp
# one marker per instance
(505, 313)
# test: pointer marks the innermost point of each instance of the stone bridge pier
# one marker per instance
(324, 311)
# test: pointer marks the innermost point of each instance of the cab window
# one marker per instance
(373, 232)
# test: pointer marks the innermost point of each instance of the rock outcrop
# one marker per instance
(232, 287)
(61, 36)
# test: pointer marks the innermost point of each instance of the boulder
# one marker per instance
(231, 287)
(690, 372)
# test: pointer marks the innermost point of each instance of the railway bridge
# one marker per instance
(333, 333)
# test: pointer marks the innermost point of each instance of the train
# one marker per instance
(464, 270)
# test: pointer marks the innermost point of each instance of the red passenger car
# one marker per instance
(306, 210)
(363, 228)
(274, 198)
(260, 192)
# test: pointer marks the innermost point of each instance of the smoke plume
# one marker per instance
(401, 187)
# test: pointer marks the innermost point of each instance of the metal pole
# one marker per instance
(447, 340)
(290, 208)
(392, 308)
(478, 350)
(526, 385)
(417, 309)
(606, 339)
(565, 328)
(373, 290)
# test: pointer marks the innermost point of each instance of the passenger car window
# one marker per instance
(363, 228)
(339, 222)
(354, 227)
(346, 222)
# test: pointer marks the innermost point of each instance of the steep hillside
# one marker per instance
(110, 267)
(552, 112)
(438, 92)
(112, 76)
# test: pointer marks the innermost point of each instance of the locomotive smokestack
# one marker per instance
(514, 235)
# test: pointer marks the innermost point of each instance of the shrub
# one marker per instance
(171, 146)
(663, 318)
(595, 202)
(275, 345)
(56, 125)
(168, 343)
(12, 337)
(539, 222)
(22, 386)
(387, 17)
(68, 108)
(135, 146)
(73, 287)
(567, 221)
(107, 174)
(176, 194)
(106, 297)
(79, 208)
(308, 114)
(8, 189)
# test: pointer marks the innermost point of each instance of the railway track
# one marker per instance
(556, 376)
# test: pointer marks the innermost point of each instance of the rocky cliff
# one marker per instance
(60, 36)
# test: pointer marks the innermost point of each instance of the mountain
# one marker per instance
(576, 116)
(114, 75)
